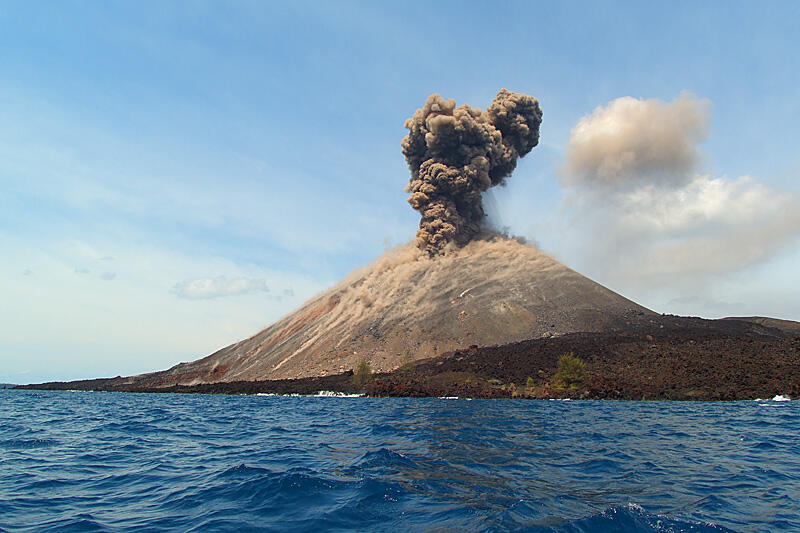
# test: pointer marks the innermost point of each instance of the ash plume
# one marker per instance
(632, 172)
(456, 153)
(632, 142)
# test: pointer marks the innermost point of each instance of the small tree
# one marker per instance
(362, 374)
(571, 370)
(530, 383)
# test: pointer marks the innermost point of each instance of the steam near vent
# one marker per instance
(456, 153)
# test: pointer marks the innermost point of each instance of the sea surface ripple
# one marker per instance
(82, 461)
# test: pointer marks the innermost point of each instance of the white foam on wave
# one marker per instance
(776, 398)
(320, 394)
(334, 394)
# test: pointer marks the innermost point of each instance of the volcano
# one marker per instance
(407, 306)
(462, 311)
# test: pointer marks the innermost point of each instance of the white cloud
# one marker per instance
(648, 221)
(707, 227)
(220, 286)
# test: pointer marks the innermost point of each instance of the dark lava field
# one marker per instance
(658, 358)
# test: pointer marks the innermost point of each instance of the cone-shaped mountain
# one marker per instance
(406, 305)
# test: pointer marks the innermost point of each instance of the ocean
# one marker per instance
(92, 461)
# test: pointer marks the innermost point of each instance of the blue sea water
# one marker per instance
(83, 461)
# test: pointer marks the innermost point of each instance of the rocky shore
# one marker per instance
(664, 358)
(673, 358)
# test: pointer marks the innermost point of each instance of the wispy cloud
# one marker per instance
(136, 317)
(218, 287)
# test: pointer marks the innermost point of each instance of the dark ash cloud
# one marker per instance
(456, 153)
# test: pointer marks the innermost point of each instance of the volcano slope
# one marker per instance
(406, 306)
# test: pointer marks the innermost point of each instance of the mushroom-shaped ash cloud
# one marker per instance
(456, 153)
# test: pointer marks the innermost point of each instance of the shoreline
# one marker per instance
(671, 358)
(779, 398)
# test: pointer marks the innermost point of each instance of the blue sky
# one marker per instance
(176, 176)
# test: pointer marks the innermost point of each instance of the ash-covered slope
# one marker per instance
(406, 306)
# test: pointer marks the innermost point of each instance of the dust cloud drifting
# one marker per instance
(633, 141)
(456, 153)
(632, 172)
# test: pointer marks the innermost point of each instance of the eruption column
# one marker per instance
(456, 153)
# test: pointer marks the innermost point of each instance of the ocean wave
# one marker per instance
(126, 463)
(633, 518)
(776, 398)
(27, 444)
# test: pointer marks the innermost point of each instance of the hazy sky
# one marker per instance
(176, 176)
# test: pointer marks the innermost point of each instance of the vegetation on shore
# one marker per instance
(362, 375)
(571, 371)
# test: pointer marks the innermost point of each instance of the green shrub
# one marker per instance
(362, 374)
(530, 383)
(571, 370)
(407, 364)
